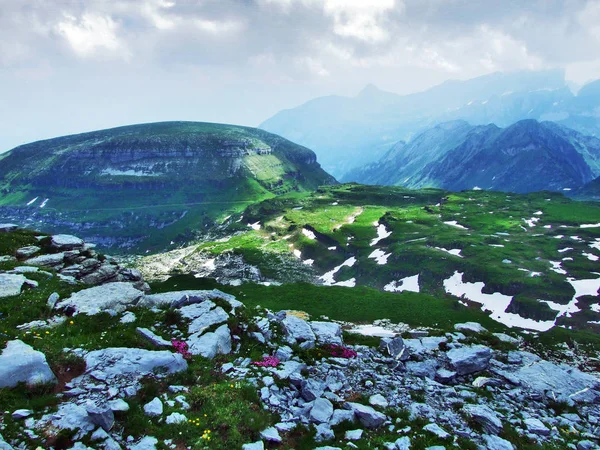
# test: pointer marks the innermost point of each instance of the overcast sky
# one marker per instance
(77, 65)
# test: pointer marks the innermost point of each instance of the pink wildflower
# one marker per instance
(268, 361)
(181, 347)
(339, 351)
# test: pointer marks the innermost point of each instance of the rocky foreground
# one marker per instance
(429, 389)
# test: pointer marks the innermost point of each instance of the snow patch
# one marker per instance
(380, 256)
(44, 203)
(590, 225)
(309, 234)
(410, 284)
(556, 267)
(328, 278)
(382, 233)
(453, 251)
(497, 303)
(254, 226)
(454, 223)
(31, 202)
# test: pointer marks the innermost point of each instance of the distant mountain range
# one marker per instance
(524, 157)
(118, 186)
(349, 132)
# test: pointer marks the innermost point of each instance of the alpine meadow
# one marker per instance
(299, 224)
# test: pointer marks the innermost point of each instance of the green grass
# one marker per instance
(359, 305)
(498, 246)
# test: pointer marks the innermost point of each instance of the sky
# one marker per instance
(69, 66)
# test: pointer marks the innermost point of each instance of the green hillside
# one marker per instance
(529, 260)
(143, 186)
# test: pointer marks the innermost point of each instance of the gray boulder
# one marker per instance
(11, 284)
(211, 344)
(536, 426)
(52, 261)
(27, 252)
(146, 443)
(297, 330)
(324, 433)
(466, 360)
(557, 381)
(19, 362)
(395, 348)
(66, 242)
(103, 416)
(271, 435)
(52, 300)
(342, 415)
(474, 327)
(321, 411)
(119, 362)
(402, 443)
(367, 416)
(208, 319)
(378, 400)
(3, 444)
(327, 332)
(254, 446)
(177, 299)
(112, 296)
(153, 408)
(106, 272)
(483, 415)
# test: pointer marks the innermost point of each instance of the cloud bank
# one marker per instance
(76, 65)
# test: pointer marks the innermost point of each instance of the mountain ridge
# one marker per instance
(526, 156)
(348, 132)
(162, 168)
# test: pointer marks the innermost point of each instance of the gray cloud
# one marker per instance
(74, 65)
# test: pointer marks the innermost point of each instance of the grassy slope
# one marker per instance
(415, 219)
(151, 207)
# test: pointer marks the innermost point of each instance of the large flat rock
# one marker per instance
(177, 299)
(116, 362)
(111, 296)
(11, 284)
(66, 242)
(19, 362)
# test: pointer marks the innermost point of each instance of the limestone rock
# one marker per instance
(211, 344)
(485, 416)
(153, 338)
(53, 260)
(153, 408)
(321, 411)
(8, 227)
(115, 362)
(27, 252)
(466, 360)
(19, 362)
(327, 332)
(66, 242)
(11, 284)
(297, 330)
(368, 416)
(112, 296)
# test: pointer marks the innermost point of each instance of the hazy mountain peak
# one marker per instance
(370, 90)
